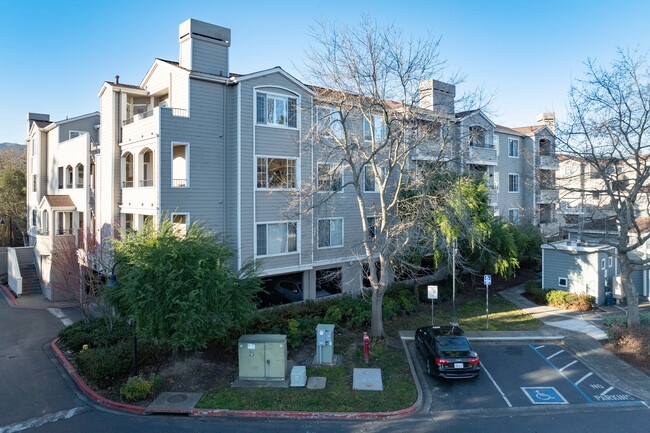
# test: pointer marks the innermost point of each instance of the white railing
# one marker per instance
(138, 116)
(179, 112)
(13, 271)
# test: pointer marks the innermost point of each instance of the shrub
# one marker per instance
(570, 301)
(103, 366)
(95, 334)
(137, 388)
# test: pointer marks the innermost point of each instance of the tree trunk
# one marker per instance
(631, 294)
(377, 322)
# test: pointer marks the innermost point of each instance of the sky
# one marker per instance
(55, 55)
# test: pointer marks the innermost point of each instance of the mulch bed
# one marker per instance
(633, 347)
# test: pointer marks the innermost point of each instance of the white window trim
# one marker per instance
(375, 216)
(187, 221)
(513, 208)
(139, 159)
(372, 126)
(496, 143)
(342, 233)
(602, 264)
(329, 130)
(610, 261)
(566, 282)
(70, 132)
(518, 183)
(267, 234)
(376, 191)
(297, 176)
(187, 164)
(273, 125)
(518, 150)
(341, 191)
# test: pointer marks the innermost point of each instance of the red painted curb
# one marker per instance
(220, 412)
(88, 391)
(17, 305)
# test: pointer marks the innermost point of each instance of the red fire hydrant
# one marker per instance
(366, 346)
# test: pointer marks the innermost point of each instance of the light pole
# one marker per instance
(113, 284)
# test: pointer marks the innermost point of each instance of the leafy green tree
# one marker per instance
(179, 288)
(529, 240)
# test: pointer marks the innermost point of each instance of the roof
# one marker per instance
(56, 201)
(128, 86)
(610, 225)
(461, 114)
(528, 129)
(41, 123)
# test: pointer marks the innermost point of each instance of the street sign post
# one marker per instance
(487, 280)
(432, 292)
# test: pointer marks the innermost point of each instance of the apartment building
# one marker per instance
(194, 141)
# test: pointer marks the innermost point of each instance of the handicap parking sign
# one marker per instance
(544, 395)
(487, 280)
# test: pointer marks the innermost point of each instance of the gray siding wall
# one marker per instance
(3, 260)
(209, 57)
(231, 162)
(204, 131)
(87, 124)
(581, 269)
(507, 165)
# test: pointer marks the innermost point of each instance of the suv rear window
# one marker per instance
(453, 344)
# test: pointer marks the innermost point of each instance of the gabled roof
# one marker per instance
(58, 201)
(277, 70)
(528, 129)
(41, 123)
(462, 115)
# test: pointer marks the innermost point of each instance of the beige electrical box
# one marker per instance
(262, 357)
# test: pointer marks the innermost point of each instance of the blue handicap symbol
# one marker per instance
(544, 395)
(487, 280)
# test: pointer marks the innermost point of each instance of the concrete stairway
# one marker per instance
(31, 283)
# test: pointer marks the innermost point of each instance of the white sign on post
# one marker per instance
(432, 292)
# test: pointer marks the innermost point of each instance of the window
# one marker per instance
(373, 226)
(477, 136)
(68, 176)
(329, 120)
(60, 177)
(562, 282)
(180, 223)
(127, 170)
(180, 165)
(34, 182)
(513, 216)
(513, 183)
(611, 261)
(330, 179)
(378, 128)
(146, 177)
(330, 232)
(602, 264)
(276, 110)
(128, 222)
(74, 134)
(34, 217)
(276, 173)
(371, 183)
(495, 143)
(278, 238)
(45, 224)
(513, 147)
(79, 183)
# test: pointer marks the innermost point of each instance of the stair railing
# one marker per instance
(13, 271)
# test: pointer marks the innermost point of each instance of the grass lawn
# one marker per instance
(399, 390)
(338, 396)
(504, 316)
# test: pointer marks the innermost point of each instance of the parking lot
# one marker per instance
(517, 375)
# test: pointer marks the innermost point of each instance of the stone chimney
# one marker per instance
(547, 119)
(437, 96)
(204, 47)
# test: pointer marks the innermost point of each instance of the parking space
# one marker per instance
(520, 375)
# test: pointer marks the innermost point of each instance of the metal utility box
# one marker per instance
(324, 343)
(262, 357)
(298, 376)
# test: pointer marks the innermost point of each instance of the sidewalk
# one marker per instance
(582, 338)
(32, 301)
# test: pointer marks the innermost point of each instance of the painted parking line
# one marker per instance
(592, 387)
(496, 385)
(56, 312)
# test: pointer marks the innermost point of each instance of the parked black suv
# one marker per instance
(446, 352)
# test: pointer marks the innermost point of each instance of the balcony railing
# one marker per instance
(61, 232)
(138, 116)
(548, 196)
(180, 112)
(179, 183)
(127, 184)
(79, 185)
(146, 182)
(481, 155)
(549, 161)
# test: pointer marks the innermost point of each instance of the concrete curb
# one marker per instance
(13, 302)
(231, 412)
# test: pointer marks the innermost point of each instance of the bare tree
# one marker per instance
(372, 116)
(608, 130)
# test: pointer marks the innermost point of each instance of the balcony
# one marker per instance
(146, 183)
(127, 184)
(140, 126)
(548, 162)
(481, 155)
(547, 196)
(179, 183)
(492, 197)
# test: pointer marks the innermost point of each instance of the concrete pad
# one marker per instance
(579, 325)
(316, 382)
(336, 360)
(177, 400)
(238, 383)
(367, 379)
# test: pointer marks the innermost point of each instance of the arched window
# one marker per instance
(69, 175)
(127, 170)
(45, 223)
(545, 147)
(79, 182)
(146, 172)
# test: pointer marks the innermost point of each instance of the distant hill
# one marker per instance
(4, 146)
